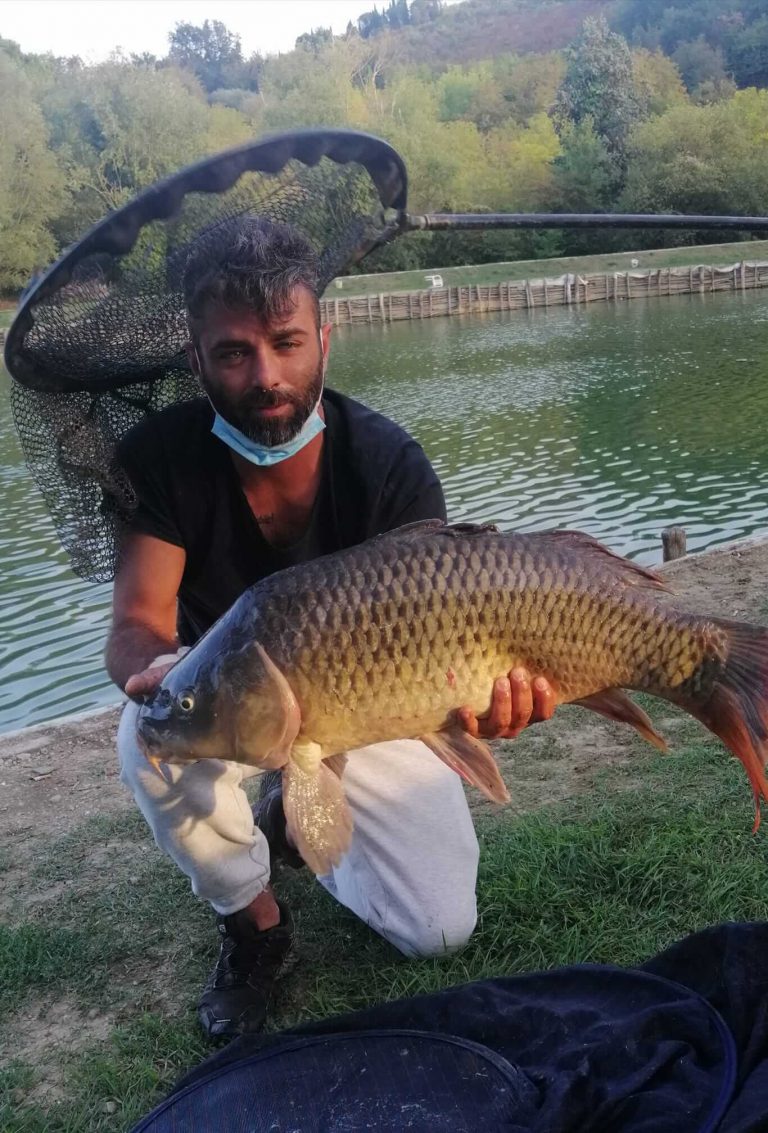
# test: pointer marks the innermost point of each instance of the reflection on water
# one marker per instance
(616, 419)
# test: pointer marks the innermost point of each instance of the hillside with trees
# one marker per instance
(495, 105)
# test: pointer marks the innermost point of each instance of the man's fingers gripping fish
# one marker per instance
(386, 640)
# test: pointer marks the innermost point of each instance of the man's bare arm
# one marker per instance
(143, 612)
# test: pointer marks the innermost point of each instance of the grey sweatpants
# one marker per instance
(410, 872)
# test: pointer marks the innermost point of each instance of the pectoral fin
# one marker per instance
(316, 810)
(337, 763)
(471, 759)
(616, 705)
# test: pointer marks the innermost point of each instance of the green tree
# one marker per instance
(371, 23)
(214, 54)
(529, 84)
(735, 30)
(658, 82)
(314, 40)
(308, 88)
(32, 186)
(519, 164)
(116, 129)
(707, 159)
(397, 14)
(425, 11)
(599, 85)
(747, 52)
(584, 174)
(699, 63)
(473, 94)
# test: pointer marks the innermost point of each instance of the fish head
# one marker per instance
(180, 722)
(233, 705)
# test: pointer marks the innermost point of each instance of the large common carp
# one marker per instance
(387, 639)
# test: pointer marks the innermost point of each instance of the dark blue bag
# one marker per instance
(679, 1045)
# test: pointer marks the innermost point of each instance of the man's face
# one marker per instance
(262, 377)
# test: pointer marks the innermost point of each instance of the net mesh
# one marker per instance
(99, 342)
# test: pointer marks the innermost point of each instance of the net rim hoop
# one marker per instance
(117, 233)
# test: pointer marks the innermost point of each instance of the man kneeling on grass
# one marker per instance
(267, 470)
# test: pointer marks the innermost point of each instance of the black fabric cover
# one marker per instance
(680, 1044)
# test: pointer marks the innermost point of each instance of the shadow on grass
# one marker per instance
(611, 877)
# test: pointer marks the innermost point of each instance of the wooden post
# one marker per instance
(546, 296)
(381, 307)
(673, 542)
(743, 275)
(390, 306)
(528, 294)
(430, 304)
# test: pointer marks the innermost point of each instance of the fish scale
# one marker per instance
(495, 601)
(388, 639)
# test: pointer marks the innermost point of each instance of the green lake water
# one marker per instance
(615, 419)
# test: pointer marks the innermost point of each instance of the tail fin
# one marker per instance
(737, 709)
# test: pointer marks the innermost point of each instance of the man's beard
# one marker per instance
(244, 414)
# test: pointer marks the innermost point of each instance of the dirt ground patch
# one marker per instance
(43, 1034)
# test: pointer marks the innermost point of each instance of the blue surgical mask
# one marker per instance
(265, 455)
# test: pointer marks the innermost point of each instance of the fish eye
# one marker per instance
(186, 702)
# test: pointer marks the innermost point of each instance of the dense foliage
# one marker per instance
(502, 105)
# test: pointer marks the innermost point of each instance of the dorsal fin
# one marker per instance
(587, 545)
(438, 526)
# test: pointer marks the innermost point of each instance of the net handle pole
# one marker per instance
(475, 221)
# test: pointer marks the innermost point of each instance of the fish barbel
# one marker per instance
(387, 639)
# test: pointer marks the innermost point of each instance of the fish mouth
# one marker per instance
(154, 722)
(158, 744)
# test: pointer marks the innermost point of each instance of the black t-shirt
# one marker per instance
(374, 477)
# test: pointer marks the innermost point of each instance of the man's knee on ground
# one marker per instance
(437, 935)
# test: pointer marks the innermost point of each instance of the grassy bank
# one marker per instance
(98, 999)
(709, 254)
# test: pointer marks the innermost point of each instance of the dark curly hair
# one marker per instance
(252, 263)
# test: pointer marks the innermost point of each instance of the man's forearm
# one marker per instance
(131, 648)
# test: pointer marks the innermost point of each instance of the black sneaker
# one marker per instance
(269, 816)
(238, 991)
